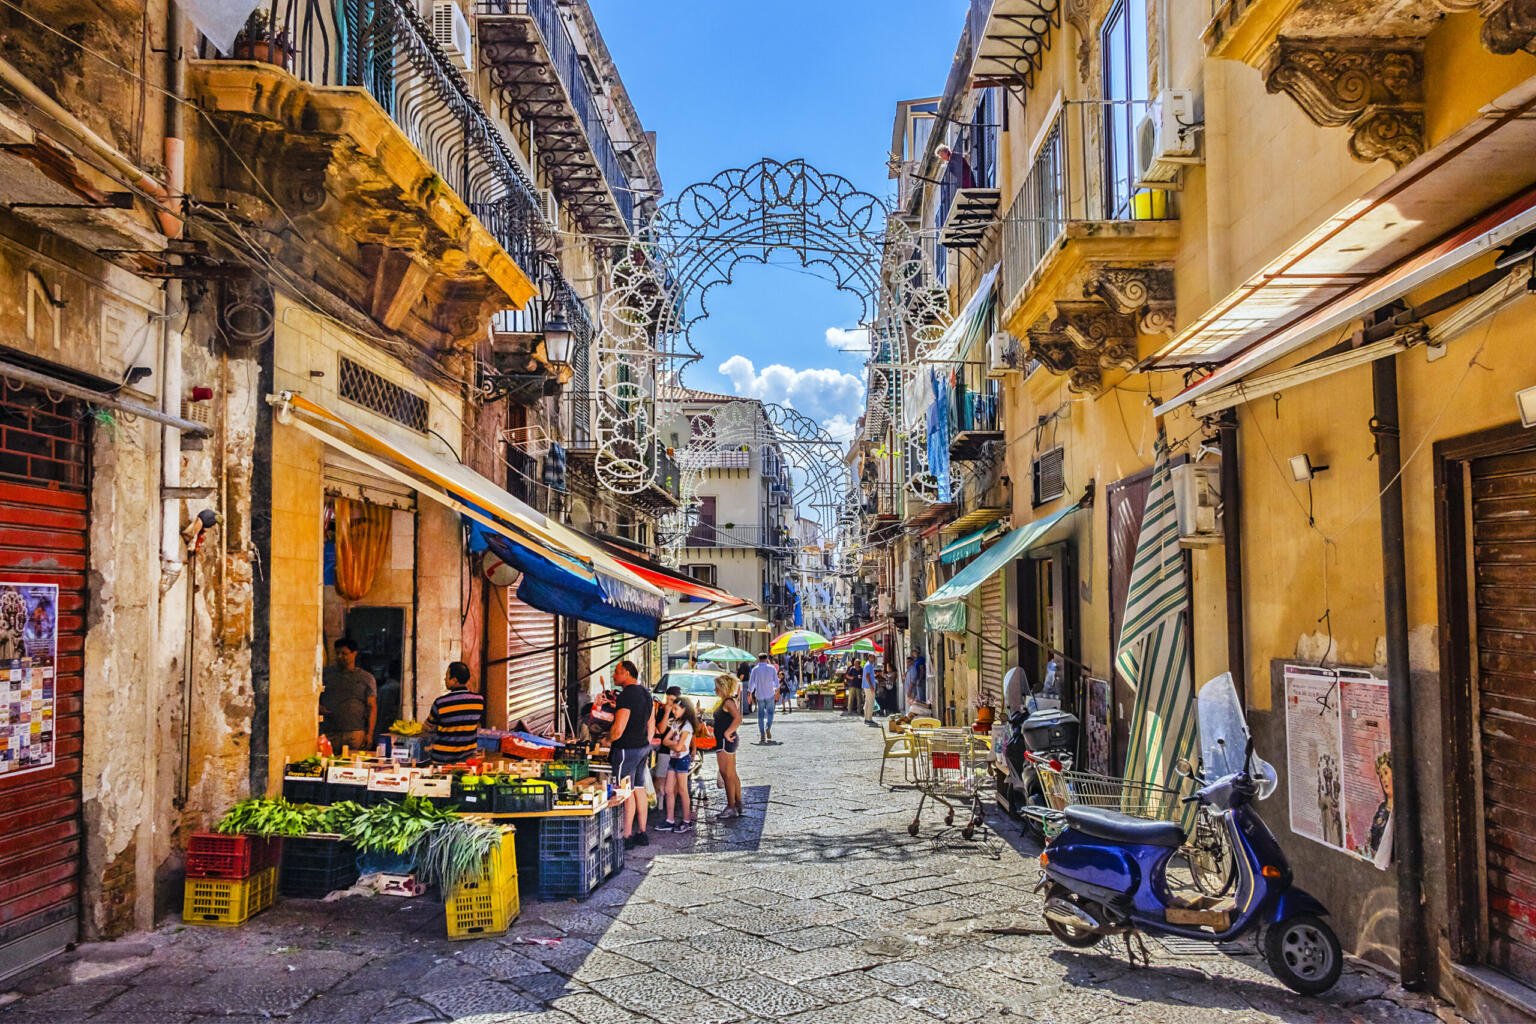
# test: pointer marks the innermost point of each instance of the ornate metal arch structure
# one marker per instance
(659, 290)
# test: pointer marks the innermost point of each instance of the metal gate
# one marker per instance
(1504, 578)
(530, 676)
(989, 688)
(43, 533)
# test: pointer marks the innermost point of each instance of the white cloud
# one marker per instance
(831, 397)
(852, 340)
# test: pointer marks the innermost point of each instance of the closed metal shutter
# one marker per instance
(990, 686)
(1504, 553)
(43, 534)
(530, 678)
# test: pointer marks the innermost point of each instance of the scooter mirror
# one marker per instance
(1184, 768)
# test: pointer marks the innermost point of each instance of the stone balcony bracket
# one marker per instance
(1373, 87)
(392, 238)
(1082, 340)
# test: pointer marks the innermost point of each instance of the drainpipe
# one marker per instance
(1406, 848)
(1232, 524)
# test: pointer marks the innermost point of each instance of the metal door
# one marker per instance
(531, 696)
(1504, 579)
(43, 534)
(989, 687)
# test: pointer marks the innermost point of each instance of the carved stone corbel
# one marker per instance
(1082, 340)
(1509, 25)
(1079, 15)
(1375, 87)
(1145, 293)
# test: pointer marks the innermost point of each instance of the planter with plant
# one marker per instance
(258, 41)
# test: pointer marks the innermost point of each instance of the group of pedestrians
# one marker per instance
(669, 729)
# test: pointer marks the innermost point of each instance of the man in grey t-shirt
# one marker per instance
(350, 700)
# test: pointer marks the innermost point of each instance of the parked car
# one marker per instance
(698, 685)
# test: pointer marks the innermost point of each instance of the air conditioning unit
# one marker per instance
(1165, 139)
(1197, 502)
(450, 30)
(549, 206)
(1004, 354)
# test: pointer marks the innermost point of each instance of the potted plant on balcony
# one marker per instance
(257, 41)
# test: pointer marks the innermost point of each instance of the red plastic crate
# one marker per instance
(211, 855)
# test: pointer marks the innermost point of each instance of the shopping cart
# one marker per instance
(952, 769)
(1205, 851)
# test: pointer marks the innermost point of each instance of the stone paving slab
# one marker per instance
(816, 908)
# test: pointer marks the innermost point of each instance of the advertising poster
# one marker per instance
(1098, 726)
(1338, 754)
(29, 649)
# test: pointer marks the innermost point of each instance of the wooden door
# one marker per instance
(1503, 580)
(43, 534)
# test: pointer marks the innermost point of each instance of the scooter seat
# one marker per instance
(1102, 823)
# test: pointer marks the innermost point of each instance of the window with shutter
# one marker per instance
(1048, 474)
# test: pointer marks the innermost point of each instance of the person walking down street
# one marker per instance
(678, 743)
(763, 688)
(633, 729)
(870, 682)
(349, 699)
(853, 689)
(455, 718)
(787, 686)
(727, 742)
(911, 680)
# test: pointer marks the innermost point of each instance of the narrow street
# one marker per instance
(817, 906)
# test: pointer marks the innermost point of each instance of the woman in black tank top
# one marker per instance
(727, 739)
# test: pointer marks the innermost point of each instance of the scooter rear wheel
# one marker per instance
(1304, 954)
(1077, 938)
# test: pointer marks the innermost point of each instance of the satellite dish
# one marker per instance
(497, 572)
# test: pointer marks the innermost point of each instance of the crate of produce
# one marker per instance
(520, 796)
(567, 769)
(564, 875)
(488, 903)
(314, 866)
(304, 782)
(568, 837)
(211, 855)
(228, 901)
(390, 784)
(437, 789)
(473, 797)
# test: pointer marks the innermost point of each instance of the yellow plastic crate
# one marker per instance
(227, 902)
(489, 904)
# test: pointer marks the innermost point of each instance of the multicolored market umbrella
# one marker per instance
(864, 646)
(798, 640)
(721, 654)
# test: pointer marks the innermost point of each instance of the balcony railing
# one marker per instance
(1085, 170)
(973, 400)
(708, 535)
(564, 56)
(385, 47)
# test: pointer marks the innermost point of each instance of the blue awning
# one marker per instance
(945, 607)
(968, 545)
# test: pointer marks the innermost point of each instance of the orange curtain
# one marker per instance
(362, 541)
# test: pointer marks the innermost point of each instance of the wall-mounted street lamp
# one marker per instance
(559, 341)
(1302, 469)
(1526, 400)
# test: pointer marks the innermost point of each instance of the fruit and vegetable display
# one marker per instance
(405, 727)
(445, 848)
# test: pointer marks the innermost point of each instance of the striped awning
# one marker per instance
(870, 631)
(968, 545)
(1153, 652)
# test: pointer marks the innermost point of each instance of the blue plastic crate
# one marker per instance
(570, 876)
(569, 837)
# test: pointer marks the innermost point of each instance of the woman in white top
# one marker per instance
(678, 741)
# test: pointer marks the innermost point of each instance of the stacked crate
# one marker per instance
(229, 878)
(572, 858)
(317, 865)
(487, 905)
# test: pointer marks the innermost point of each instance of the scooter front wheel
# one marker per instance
(1304, 954)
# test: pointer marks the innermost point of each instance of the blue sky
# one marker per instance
(724, 83)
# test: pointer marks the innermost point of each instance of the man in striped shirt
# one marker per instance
(455, 718)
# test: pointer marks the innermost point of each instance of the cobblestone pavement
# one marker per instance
(816, 907)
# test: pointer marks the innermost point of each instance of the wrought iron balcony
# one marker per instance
(1084, 171)
(975, 413)
(663, 490)
(537, 68)
(288, 99)
(766, 538)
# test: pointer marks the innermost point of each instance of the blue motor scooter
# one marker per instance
(1106, 872)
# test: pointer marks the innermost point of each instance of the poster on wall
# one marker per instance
(1098, 726)
(29, 648)
(1338, 754)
